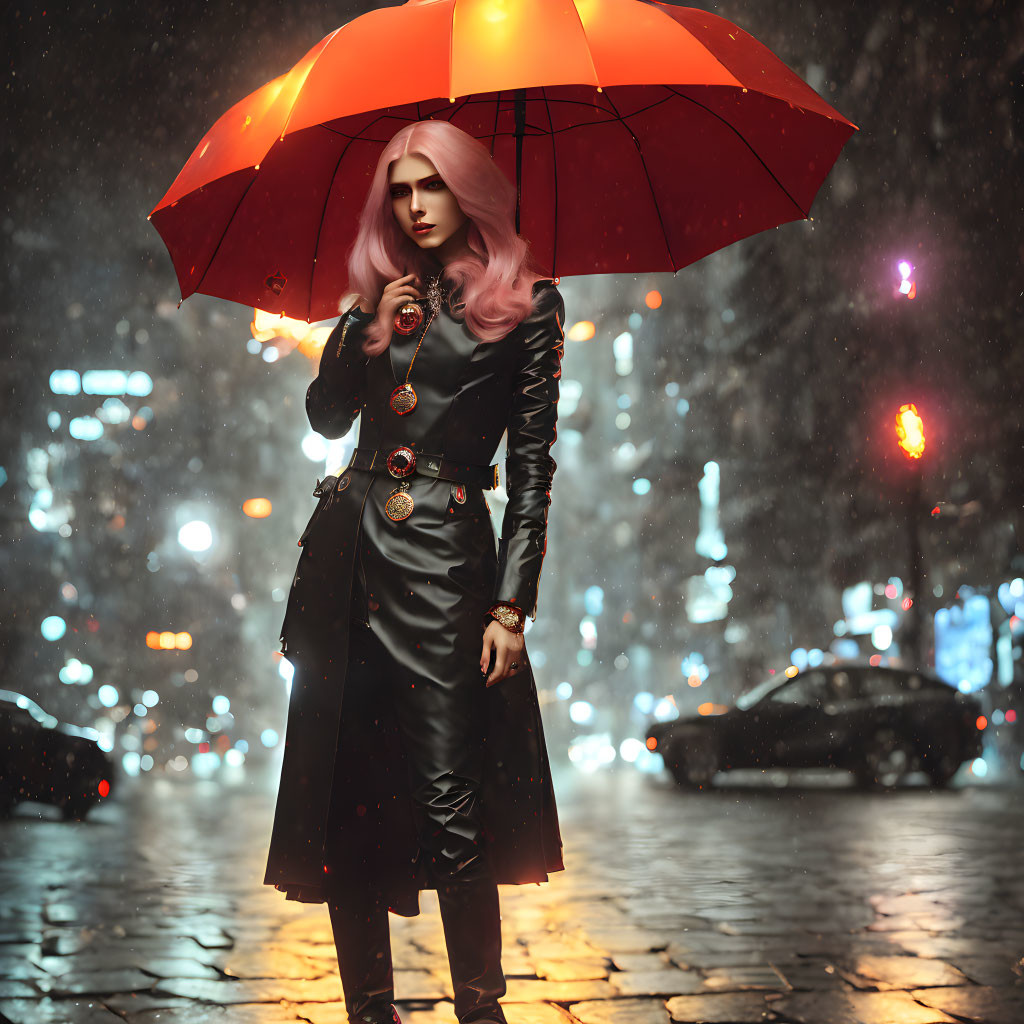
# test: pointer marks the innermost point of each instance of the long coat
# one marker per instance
(429, 581)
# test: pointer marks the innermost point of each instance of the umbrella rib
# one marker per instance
(468, 101)
(650, 184)
(586, 105)
(451, 47)
(309, 71)
(586, 41)
(741, 137)
(380, 117)
(554, 163)
(494, 133)
(227, 224)
(458, 109)
(320, 229)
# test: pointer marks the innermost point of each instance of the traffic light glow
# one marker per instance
(910, 431)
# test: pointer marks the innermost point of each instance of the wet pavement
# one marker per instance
(814, 903)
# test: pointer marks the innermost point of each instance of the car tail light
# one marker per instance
(103, 788)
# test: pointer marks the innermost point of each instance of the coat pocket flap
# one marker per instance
(324, 489)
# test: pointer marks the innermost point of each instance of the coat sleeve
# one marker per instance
(334, 398)
(529, 468)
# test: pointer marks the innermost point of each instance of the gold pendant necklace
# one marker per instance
(400, 503)
(403, 398)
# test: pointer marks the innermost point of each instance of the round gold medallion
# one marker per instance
(403, 399)
(399, 506)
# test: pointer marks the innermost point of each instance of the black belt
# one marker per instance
(401, 462)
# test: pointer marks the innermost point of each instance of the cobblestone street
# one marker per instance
(812, 903)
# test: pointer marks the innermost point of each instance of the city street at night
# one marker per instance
(808, 902)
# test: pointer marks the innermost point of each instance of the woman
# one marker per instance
(414, 754)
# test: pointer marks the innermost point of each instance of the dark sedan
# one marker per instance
(49, 761)
(878, 723)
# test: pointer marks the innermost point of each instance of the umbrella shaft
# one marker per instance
(520, 107)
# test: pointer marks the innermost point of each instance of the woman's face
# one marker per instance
(420, 196)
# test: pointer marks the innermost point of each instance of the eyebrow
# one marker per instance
(419, 182)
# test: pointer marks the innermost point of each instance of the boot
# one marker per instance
(362, 937)
(471, 919)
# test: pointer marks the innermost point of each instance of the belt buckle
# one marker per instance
(401, 462)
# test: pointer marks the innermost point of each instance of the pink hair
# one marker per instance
(496, 283)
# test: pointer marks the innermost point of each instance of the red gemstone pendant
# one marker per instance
(408, 318)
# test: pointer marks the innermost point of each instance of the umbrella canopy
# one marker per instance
(641, 137)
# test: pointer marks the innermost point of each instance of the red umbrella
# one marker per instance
(642, 137)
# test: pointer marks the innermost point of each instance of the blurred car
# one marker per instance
(49, 761)
(881, 724)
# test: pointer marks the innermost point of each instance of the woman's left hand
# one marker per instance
(508, 647)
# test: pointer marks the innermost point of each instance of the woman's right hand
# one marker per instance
(397, 294)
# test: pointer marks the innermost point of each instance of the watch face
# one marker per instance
(508, 616)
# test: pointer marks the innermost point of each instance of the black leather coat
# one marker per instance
(429, 579)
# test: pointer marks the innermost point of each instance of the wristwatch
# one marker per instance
(509, 616)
